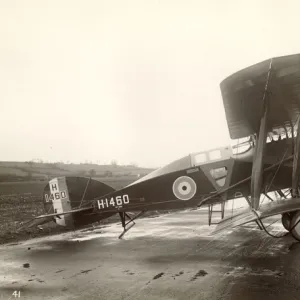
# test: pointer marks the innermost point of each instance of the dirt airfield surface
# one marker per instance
(172, 256)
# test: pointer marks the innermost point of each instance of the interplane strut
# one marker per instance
(296, 164)
(257, 167)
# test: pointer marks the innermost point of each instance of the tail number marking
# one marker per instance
(113, 201)
(55, 196)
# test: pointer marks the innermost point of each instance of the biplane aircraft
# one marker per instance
(262, 107)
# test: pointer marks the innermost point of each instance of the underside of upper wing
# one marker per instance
(243, 91)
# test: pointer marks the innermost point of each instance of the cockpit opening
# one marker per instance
(243, 145)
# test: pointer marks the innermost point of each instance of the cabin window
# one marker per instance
(200, 158)
(214, 155)
(295, 133)
(283, 135)
(269, 140)
(219, 174)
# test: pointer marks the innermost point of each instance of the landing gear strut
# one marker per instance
(123, 216)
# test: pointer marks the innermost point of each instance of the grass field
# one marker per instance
(36, 187)
(20, 171)
(22, 184)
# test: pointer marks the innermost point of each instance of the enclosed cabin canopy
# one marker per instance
(194, 160)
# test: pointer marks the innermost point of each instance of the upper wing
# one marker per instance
(266, 210)
(243, 91)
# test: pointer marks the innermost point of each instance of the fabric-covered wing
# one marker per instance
(243, 92)
(243, 217)
(267, 210)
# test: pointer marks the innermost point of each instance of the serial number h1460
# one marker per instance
(113, 201)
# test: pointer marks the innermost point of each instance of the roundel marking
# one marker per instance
(184, 188)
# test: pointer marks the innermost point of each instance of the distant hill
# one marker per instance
(24, 171)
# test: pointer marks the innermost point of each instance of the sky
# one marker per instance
(128, 80)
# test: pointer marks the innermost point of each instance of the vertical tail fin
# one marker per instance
(57, 200)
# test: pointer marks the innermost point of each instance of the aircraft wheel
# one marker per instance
(296, 231)
(286, 221)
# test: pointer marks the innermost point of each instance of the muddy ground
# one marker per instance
(172, 256)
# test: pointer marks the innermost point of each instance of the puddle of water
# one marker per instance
(242, 271)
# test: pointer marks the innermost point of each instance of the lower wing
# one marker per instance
(267, 210)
